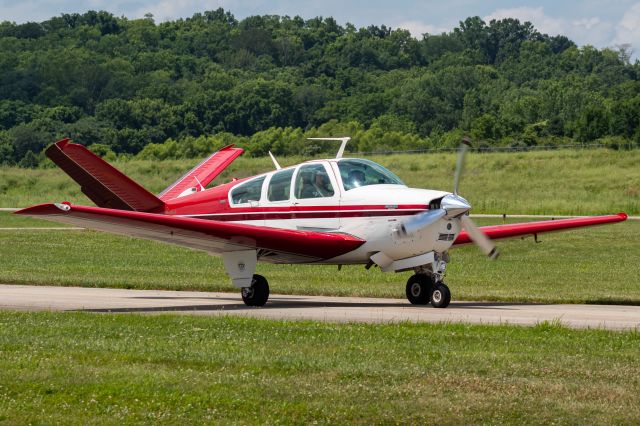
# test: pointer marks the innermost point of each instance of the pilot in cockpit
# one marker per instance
(322, 184)
(356, 178)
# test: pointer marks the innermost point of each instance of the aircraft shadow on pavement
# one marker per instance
(459, 304)
(292, 304)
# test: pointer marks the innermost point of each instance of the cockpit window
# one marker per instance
(248, 191)
(357, 172)
(313, 181)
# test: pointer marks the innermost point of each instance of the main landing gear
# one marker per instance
(258, 293)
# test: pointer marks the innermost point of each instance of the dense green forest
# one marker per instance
(181, 88)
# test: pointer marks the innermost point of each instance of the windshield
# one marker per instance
(357, 172)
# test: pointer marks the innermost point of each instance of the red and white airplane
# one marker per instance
(336, 211)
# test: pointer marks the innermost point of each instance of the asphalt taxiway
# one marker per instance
(322, 308)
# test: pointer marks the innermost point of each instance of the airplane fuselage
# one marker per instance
(371, 210)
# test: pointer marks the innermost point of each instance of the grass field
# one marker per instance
(551, 182)
(9, 220)
(80, 368)
(177, 370)
(592, 265)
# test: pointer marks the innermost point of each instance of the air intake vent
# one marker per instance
(435, 204)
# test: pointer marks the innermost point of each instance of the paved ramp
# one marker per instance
(336, 309)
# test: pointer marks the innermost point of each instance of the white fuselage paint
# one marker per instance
(378, 230)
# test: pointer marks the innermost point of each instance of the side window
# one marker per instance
(280, 186)
(313, 182)
(249, 191)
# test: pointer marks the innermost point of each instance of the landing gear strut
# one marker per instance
(258, 293)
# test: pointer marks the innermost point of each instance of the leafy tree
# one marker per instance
(26, 138)
(270, 81)
(6, 149)
(29, 161)
(103, 151)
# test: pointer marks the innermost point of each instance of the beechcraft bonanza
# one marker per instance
(335, 212)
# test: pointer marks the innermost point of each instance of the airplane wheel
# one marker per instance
(419, 289)
(441, 296)
(258, 293)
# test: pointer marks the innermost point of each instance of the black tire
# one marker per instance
(419, 289)
(440, 296)
(258, 293)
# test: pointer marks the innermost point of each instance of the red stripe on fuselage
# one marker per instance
(284, 215)
(234, 214)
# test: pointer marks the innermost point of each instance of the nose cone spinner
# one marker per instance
(454, 205)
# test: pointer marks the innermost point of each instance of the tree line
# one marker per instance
(137, 87)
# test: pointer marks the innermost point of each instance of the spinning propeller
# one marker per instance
(452, 206)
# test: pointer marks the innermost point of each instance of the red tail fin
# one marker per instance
(102, 183)
(203, 173)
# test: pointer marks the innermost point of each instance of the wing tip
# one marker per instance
(45, 209)
(63, 142)
(622, 215)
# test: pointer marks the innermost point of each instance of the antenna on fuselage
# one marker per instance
(344, 141)
(275, 162)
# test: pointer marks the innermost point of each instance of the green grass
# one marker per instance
(9, 220)
(591, 265)
(551, 182)
(78, 368)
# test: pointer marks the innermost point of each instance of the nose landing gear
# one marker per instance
(421, 289)
(440, 296)
(427, 284)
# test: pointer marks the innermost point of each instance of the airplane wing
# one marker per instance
(203, 173)
(273, 244)
(532, 228)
